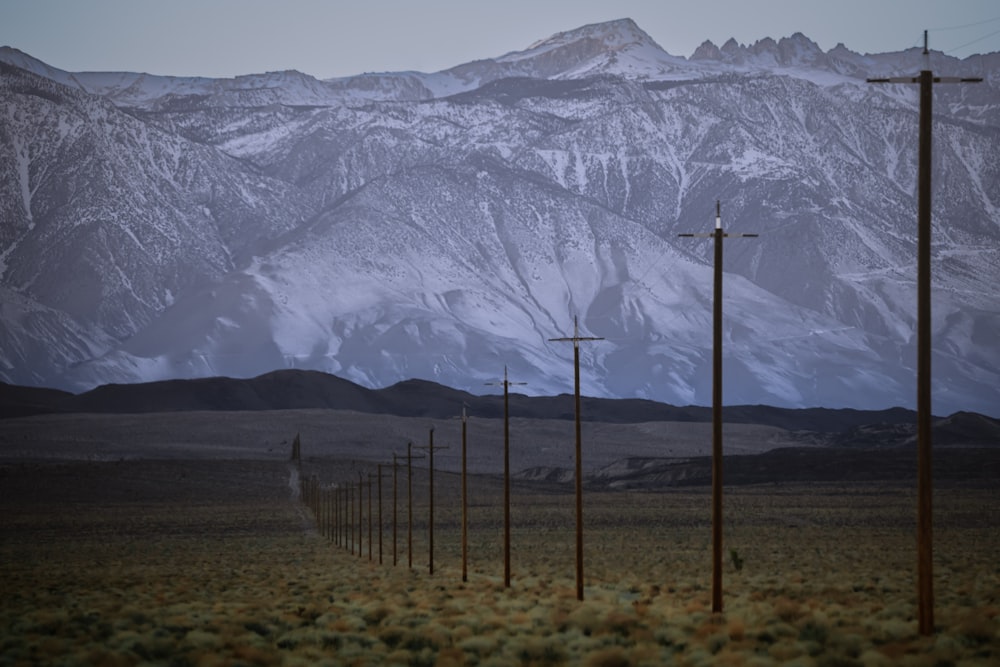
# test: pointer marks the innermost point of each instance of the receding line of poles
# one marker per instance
(576, 338)
(718, 235)
(506, 474)
(925, 586)
(925, 547)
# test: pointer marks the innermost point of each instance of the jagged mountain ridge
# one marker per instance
(381, 231)
(620, 48)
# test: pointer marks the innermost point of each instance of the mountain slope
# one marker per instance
(444, 225)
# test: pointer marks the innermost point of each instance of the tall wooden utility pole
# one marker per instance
(506, 475)
(430, 513)
(925, 539)
(575, 339)
(465, 502)
(718, 235)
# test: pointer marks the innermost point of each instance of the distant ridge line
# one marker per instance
(304, 389)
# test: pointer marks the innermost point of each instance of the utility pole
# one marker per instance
(322, 511)
(718, 235)
(465, 503)
(409, 493)
(575, 339)
(340, 516)
(361, 518)
(506, 475)
(430, 482)
(320, 514)
(394, 512)
(350, 517)
(345, 539)
(380, 523)
(925, 541)
(328, 513)
(328, 502)
(370, 514)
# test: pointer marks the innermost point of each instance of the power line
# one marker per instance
(995, 32)
(966, 25)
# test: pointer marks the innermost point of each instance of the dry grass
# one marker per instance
(213, 562)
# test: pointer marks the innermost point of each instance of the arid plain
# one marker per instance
(180, 539)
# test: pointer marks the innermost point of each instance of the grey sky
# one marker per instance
(342, 37)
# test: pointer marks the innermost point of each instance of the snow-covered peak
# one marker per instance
(617, 47)
(611, 35)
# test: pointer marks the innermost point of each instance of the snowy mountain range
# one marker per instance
(446, 225)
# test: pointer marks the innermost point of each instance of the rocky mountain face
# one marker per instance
(445, 225)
